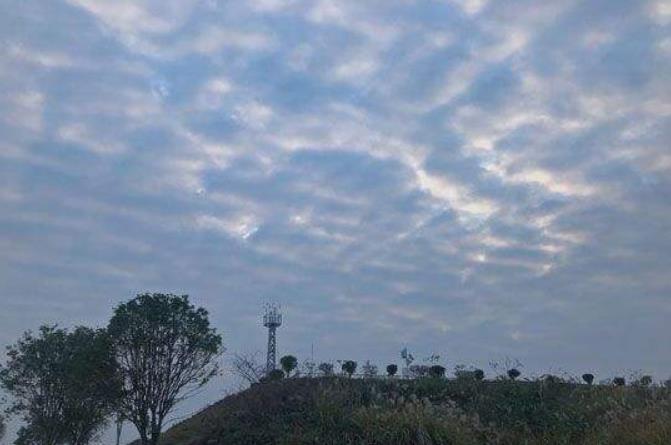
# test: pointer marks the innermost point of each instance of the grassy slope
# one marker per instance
(428, 411)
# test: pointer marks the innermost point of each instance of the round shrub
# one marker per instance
(349, 367)
(437, 371)
(514, 374)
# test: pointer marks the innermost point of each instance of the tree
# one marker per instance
(288, 364)
(588, 378)
(514, 373)
(392, 370)
(248, 367)
(479, 374)
(91, 388)
(349, 367)
(165, 350)
(62, 384)
(619, 381)
(326, 368)
(437, 371)
(32, 376)
(2, 427)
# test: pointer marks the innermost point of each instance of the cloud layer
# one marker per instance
(474, 178)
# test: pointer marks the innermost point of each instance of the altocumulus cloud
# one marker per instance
(474, 178)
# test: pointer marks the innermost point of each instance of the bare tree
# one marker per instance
(248, 367)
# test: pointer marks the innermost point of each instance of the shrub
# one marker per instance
(349, 367)
(437, 371)
(644, 381)
(326, 368)
(619, 381)
(588, 378)
(392, 370)
(288, 363)
(418, 371)
(514, 373)
(275, 374)
(479, 374)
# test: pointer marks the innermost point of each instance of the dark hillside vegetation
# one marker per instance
(428, 411)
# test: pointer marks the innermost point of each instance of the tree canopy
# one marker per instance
(62, 384)
(165, 349)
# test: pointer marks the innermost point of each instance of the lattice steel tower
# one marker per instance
(272, 319)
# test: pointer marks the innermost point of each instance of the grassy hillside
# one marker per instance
(431, 411)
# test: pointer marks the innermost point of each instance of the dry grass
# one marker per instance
(335, 411)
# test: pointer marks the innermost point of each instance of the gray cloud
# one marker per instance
(465, 177)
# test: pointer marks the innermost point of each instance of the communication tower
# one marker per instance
(272, 319)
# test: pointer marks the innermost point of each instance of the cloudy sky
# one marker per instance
(479, 179)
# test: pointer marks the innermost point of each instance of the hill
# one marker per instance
(431, 411)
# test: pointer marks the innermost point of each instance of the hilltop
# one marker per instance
(335, 410)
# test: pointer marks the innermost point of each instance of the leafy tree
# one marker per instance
(326, 368)
(349, 367)
(437, 371)
(588, 378)
(392, 370)
(33, 377)
(479, 374)
(63, 384)
(619, 381)
(91, 388)
(513, 373)
(165, 350)
(288, 364)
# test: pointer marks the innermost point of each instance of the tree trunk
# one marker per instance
(119, 427)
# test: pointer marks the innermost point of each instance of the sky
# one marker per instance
(476, 179)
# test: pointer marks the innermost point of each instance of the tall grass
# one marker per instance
(428, 411)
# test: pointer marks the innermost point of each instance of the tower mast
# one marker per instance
(272, 319)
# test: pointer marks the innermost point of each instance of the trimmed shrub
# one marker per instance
(326, 368)
(349, 367)
(513, 374)
(437, 371)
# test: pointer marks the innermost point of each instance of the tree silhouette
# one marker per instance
(62, 383)
(392, 370)
(165, 350)
(349, 367)
(588, 378)
(514, 373)
(288, 363)
(326, 368)
(437, 371)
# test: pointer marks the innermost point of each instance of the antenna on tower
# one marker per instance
(272, 319)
